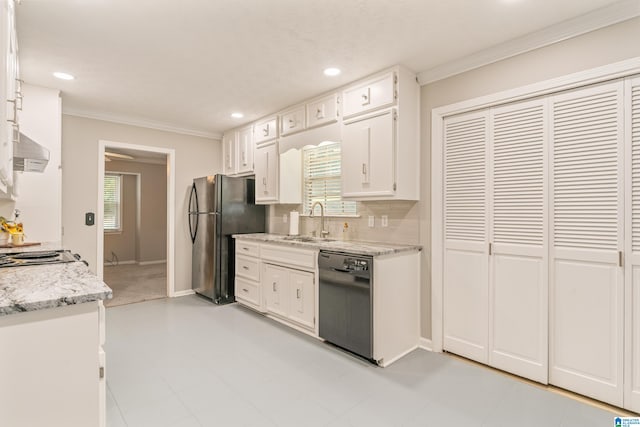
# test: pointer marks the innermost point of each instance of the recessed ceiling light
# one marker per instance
(63, 76)
(237, 115)
(331, 71)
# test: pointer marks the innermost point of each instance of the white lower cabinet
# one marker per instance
(52, 367)
(290, 294)
(279, 281)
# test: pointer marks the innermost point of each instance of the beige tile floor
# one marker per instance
(133, 283)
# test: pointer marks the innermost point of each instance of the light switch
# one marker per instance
(372, 221)
(89, 218)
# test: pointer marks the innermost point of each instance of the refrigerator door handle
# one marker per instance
(193, 231)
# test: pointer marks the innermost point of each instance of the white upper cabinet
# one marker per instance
(229, 152)
(266, 162)
(370, 95)
(380, 137)
(265, 130)
(245, 150)
(367, 153)
(323, 111)
(10, 96)
(381, 148)
(237, 151)
(292, 121)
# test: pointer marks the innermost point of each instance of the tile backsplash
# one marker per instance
(403, 222)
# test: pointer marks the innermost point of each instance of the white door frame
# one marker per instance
(171, 208)
(571, 81)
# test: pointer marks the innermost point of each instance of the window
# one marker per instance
(323, 182)
(112, 202)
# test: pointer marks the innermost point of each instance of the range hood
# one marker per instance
(29, 156)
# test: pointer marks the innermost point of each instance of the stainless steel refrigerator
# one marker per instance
(220, 206)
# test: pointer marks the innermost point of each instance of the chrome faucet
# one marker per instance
(323, 232)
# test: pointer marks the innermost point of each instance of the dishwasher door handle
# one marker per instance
(340, 270)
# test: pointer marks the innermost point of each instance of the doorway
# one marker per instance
(135, 221)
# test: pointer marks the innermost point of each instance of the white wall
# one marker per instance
(195, 157)
(605, 46)
(39, 199)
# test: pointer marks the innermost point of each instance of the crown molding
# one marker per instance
(600, 18)
(132, 121)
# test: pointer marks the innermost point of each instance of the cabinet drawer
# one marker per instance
(247, 291)
(322, 111)
(244, 247)
(292, 121)
(265, 130)
(370, 95)
(248, 267)
(291, 256)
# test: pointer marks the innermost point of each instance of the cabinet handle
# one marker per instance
(245, 248)
(16, 133)
(265, 130)
(264, 181)
(274, 286)
(245, 289)
(364, 169)
(620, 259)
(320, 113)
(298, 293)
(292, 123)
(366, 97)
(490, 248)
(245, 267)
(15, 111)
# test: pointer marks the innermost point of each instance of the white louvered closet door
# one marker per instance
(586, 280)
(632, 245)
(518, 260)
(466, 230)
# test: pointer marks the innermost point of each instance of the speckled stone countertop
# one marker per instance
(38, 287)
(348, 246)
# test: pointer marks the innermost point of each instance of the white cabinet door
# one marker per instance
(518, 285)
(586, 280)
(323, 111)
(466, 296)
(302, 298)
(266, 172)
(632, 245)
(368, 156)
(292, 121)
(275, 287)
(376, 93)
(229, 152)
(245, 150)
(265, 130)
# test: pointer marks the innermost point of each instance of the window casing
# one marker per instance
(323, 180)
(112, 203)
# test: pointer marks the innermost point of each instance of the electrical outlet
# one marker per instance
(284, 218)
(384, 219)
(372, 221)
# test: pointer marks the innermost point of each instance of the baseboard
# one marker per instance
(386, 363)
(183, 293)
(159, 261)
(425, 344)
(109, 264)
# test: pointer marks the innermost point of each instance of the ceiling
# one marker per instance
(187, 65)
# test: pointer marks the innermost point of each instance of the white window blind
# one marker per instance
(323, 181)
(112, 202)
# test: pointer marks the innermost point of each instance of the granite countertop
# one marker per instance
(38, 287)
(349, 246)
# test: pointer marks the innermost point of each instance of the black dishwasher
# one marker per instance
(346, 301)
